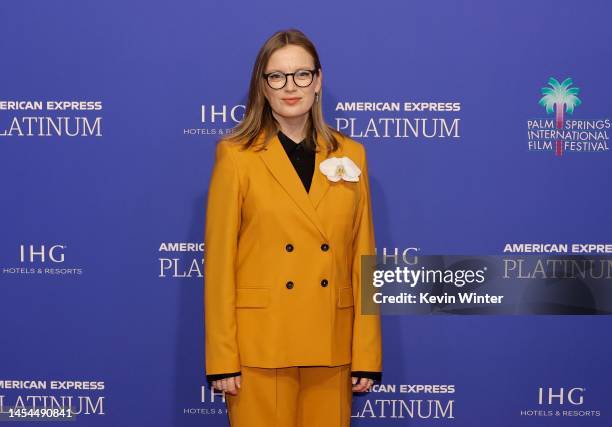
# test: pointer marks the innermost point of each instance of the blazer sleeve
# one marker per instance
(223, 219)
(367, 345)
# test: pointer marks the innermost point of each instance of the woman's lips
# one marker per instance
(291, 101)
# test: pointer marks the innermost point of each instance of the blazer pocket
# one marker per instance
(345, 297)
(252, 297)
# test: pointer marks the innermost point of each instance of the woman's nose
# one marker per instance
(290, 85)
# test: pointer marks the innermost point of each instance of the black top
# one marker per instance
(303, 161)
(302, 158)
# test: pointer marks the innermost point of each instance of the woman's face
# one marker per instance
(291, 101)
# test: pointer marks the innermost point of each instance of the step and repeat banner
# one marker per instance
(487, 129)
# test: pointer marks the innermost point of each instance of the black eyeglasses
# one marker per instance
(301, 78)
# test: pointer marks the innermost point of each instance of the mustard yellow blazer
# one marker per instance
(282, 265)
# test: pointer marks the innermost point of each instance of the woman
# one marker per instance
(288, 217)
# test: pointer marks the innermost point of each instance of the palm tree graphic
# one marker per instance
(559, 97)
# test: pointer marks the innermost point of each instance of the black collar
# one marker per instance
(289, 145)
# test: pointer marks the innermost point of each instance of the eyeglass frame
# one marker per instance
(313, 71)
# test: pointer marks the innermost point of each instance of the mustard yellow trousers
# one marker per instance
(296, 396)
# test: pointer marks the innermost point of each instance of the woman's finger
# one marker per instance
(361, 384)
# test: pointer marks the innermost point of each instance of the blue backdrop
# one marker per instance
(109, 113)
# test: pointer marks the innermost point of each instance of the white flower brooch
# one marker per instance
(337, 168)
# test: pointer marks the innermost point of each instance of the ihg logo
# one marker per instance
(42, 253)
(549, 396)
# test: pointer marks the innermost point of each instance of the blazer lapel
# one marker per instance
(280, 166)
(320, 183)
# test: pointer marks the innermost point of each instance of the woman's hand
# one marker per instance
(363, 385)
(229, 385)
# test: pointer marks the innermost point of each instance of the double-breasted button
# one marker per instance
(324, 247)
(289, 247)
(324, 282)
(289, 284)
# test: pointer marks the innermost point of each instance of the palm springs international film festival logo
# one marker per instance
(561, 134)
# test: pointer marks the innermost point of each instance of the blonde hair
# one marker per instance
(258, 115)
